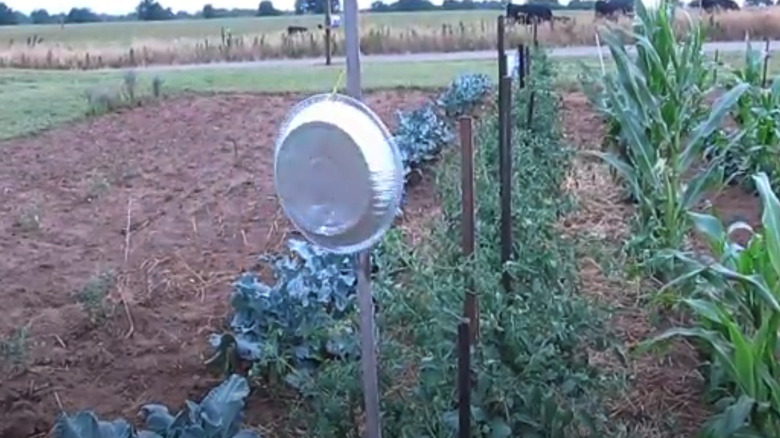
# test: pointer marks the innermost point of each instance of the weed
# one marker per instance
(13, 348)
(93, 295)
(29, 219)
(101, 101)
(157, 87)
(97, 185)
(130, 79)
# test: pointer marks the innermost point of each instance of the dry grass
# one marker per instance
(664, 396)
(462, 35)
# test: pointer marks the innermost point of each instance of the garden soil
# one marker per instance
(665, 392)
(161, 207)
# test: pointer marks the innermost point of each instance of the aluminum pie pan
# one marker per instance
(338, 173)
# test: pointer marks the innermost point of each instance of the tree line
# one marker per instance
(150, 10)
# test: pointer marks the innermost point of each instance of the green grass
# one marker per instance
(33, 100)
(126, 32)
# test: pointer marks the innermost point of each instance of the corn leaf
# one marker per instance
(720, 109)
(770, 219)
(732, 420)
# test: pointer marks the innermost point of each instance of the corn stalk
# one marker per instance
(735, 300)
(657, 99)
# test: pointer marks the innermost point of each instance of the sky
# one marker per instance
(126, 6)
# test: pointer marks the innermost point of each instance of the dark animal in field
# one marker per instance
(529, 13)
(709, 5)
(610, 8)
(291, 30)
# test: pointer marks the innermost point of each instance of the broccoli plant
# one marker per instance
(420, 136)
(300, 320)
(219, 415)
(464, 94)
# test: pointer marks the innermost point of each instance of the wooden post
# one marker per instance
(470, 303)
(352, 48)
(505, 172)
(327, 32)
(464, 380)
(530, 116)
(766, 63)
(715, 75)
(536, 41)
(500, 47)
(521, 64)
(368, 351)
(527, 61)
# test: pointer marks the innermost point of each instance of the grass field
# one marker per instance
(94, 34)
(90, 46)
(33, 100)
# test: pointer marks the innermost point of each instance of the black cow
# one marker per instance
(610, 8)
(292, 30)
(709, 5)
(529, 13)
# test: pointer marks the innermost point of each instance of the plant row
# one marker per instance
(532, 375)
(671, 146)
(305, 318)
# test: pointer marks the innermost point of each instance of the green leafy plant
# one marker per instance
(465, 94)
(93, 295)
(301, 320)
(13, 348)
(219, 415)
(531, 373)
(757, 115)
(657, 99)
(735, 302)
(421, 134)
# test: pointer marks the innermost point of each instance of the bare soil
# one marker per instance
(191, 179)
(664, 396)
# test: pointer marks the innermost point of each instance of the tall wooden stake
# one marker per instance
(327, 32)
(368, 351)
(464, 380)
(505, 172)
(521, 64)
(470, 303)
(766, 63)
(500, 36)
(536, 40)
(352, 48)
(717, 66)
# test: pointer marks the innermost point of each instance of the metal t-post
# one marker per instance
(365, 298)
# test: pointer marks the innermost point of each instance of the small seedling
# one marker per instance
(98, 185)
(29, 219)
(130, 81)
(101, 101)
(93, 295)
(157, 87)
(13, 348)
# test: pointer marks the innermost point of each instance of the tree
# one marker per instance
(41, 16)
(379, 6)
(7, 16)
(413, 5)
(81, 15)
(150, 10)
(316, 6)
(208, 12)
(267, 9)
